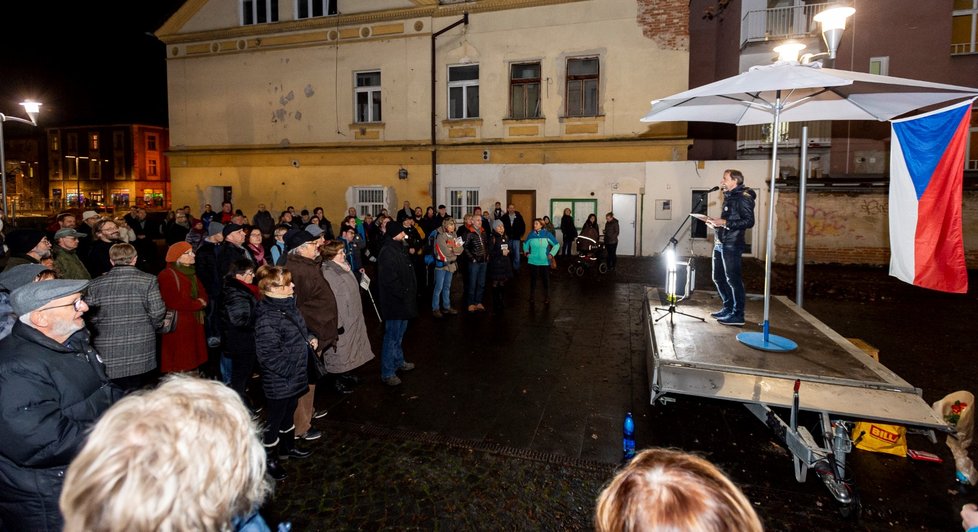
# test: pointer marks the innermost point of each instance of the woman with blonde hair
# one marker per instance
(667, 489)
(183, 456)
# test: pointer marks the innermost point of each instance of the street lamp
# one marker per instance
(32, 108)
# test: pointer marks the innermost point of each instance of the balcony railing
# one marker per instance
(780, 23)
(963, 48)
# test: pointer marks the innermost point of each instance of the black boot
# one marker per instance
(287, 448)
(275, 470)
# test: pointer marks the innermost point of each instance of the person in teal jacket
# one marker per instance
(539, 248)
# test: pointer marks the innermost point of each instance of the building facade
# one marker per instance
(112, 167)
(369, 103)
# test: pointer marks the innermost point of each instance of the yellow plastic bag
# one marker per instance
(880, 437)
(956, 409)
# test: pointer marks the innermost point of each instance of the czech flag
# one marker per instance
(926, 174)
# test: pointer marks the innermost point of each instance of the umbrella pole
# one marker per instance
(765, 341)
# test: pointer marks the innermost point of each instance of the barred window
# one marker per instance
(369, 200)
(461, 201)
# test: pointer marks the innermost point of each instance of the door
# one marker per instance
(216, 196)
(624, 207)
(525, 202)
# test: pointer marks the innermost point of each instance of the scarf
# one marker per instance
(258, 253)
(191, 275)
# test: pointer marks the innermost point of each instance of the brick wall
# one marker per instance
(666, 22)
(851, 227)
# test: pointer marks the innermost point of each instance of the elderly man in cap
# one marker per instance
(28, 246)
(11, 280)
(53, 388)
(317, 304)
(66, 260)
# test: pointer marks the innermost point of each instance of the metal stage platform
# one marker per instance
(689, 353)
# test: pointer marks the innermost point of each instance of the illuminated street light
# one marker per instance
(32, 108)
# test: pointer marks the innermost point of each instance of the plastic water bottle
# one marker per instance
(628, 437)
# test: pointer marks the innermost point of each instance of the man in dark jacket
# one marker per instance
(736, 217)
(515, 227)
(53, 387)
(208, 271)
(398, 302)
(317, 304)
(264, 220)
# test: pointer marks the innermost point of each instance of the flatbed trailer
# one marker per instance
(688, 353)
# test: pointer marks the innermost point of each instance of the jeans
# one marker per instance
(611, 253)
(391, 355)
(443, 289)
(278, 427)
(477, 283)
(544, 273)
(226, 365)
(514, 244)
(728, 279)
(565, 249)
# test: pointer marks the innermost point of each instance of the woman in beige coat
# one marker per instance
(353, 346)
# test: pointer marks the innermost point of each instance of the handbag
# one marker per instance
(317, 366)
(169, 322)
(553, 262)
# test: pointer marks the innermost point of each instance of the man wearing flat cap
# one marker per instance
(232, 249)
(53, 388)
(66, 260)
(27, 246)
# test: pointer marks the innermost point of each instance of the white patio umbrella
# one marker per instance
(792, 92)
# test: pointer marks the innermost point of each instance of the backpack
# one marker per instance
(429, 251)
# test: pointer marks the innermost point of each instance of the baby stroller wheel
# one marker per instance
(602, 268)
(570, 269)
(579, 270)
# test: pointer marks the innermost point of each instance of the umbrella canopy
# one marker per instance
(793, 92)
(808, 92)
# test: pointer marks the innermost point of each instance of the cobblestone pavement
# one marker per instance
(513, 422)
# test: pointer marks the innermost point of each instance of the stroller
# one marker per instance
(590, 257)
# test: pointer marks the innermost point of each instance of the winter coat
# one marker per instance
(738, 211)
(69, 264)
(237, 319)
(447, 250)
(540, 245)
(476, 246)
(353, 346)
(264, 221)
(398, 288)
(611, 231)
(50, 395)
(314, 298)
(206, 267)
(568, 228)
(282, 347)
(500, 266)
(183, 349)
(126, 309)
(514, 228)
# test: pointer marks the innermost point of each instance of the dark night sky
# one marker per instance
(87, 62)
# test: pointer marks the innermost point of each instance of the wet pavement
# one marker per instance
(512, 421)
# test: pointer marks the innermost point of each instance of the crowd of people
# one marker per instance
(96, 310)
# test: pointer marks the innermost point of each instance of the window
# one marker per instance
(72, 140)
(118, 140)
(153, 197)
(120, 197)
(879, 65)
(524, 90)
(119, 166)
(258, 11)
(94, 167)
(461, 201)
(367, 93)
(369, 200)
(582, 87)
(93, 141)
(963, 22)
(151, 169)
(463, 91)
(54, 141)
(314, 8)
(151, 143)
(699, 200)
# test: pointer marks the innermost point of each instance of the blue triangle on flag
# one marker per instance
(924, 141)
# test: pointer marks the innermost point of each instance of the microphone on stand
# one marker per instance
(714, 189)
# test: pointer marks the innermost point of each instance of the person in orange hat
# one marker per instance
(184, 349)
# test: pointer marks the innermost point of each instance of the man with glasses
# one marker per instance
(53, 388)
(28, 246)
(126, 310)
(106, 235)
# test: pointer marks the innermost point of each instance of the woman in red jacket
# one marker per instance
(184, 349)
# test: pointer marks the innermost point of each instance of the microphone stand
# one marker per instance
(673, 300)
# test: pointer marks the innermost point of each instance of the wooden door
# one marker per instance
(525, 202)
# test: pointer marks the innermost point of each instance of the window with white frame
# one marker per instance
(369, 200)
(314, 8)
(367, 94)
(258, 12)
(964, 22)
(582, 86)
(151, 168)
(524, 90)
(461, 201)
(463, 91)
(879, 65)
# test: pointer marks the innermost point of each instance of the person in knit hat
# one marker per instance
(184, 349)
(28, 246)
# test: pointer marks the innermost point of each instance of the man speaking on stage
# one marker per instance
(736, 216)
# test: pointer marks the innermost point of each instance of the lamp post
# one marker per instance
(32, 108)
